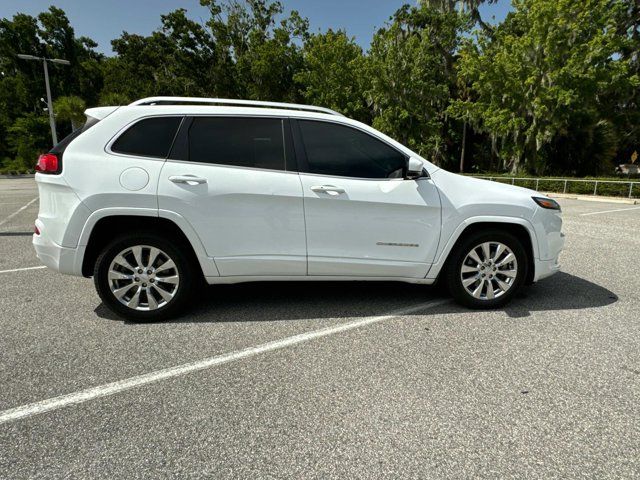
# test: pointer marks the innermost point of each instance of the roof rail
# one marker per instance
(228, 101)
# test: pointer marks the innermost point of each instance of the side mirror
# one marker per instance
(415, 168)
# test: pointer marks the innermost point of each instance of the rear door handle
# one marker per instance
(329, 189)
(187, 179)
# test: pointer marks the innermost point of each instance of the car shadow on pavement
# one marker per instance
(562, 291)
(275, 301)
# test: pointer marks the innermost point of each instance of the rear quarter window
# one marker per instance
(150, 137)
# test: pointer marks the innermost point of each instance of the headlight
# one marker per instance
(547, 203)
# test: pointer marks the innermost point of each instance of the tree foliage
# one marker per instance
(548, 68)
(554, 88)
(23, 120)
(71, 109)
(410, 67)
(332, 74)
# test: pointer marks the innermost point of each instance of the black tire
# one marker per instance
(185, 268)
(453, 276)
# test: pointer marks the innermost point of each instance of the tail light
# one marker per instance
(48, 163)
(36, 230)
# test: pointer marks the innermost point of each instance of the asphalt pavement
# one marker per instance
(326, 380)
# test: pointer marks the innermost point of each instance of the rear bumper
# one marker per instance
(58, 258)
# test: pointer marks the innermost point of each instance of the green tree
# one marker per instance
(70, 109)
(263, 52)
(470, 6)
(411, 72)
(22, 84)
(181, 59)
(114, 99)
(545, 66)
(84, 77)
(333, 74)
(625, 104)
(25, 142)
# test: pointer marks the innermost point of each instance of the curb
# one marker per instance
(22, 175)
(592, 198)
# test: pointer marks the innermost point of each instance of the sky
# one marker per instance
(104, 20)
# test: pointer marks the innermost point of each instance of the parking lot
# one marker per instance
(326, 380)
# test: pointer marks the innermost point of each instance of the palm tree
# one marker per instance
(70, 108)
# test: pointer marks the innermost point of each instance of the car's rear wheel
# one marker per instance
(487, 269)
(144, 277)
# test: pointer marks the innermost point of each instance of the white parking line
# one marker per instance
(609, 211)
(18, 211)
(22, 269)
(164, 374)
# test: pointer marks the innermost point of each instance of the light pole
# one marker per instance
(52, 119)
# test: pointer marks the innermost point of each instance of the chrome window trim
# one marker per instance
(368, 179)
(236, 167)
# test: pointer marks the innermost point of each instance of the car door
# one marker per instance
(227, 176)
(363, 218)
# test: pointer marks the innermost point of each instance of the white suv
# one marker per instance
(153, 197)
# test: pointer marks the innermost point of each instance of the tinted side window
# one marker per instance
(242, 142)
(339, 150)
(151, 137)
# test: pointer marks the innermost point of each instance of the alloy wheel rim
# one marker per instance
(489, 270)
(143, 277)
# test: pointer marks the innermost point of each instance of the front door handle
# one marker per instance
(187, 179)
(330, 189)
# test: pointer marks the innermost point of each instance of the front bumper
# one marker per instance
(545, 268)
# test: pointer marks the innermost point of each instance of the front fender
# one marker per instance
(446, 244)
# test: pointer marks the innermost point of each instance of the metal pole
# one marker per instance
(595, 189)
(52, 120)
(565, 187)
(537, 183)
(630, 188)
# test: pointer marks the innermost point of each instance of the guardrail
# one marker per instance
(615, 188)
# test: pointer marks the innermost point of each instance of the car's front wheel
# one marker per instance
(144, 277)
(487, 269)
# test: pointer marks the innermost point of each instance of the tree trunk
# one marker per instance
(464, 144)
